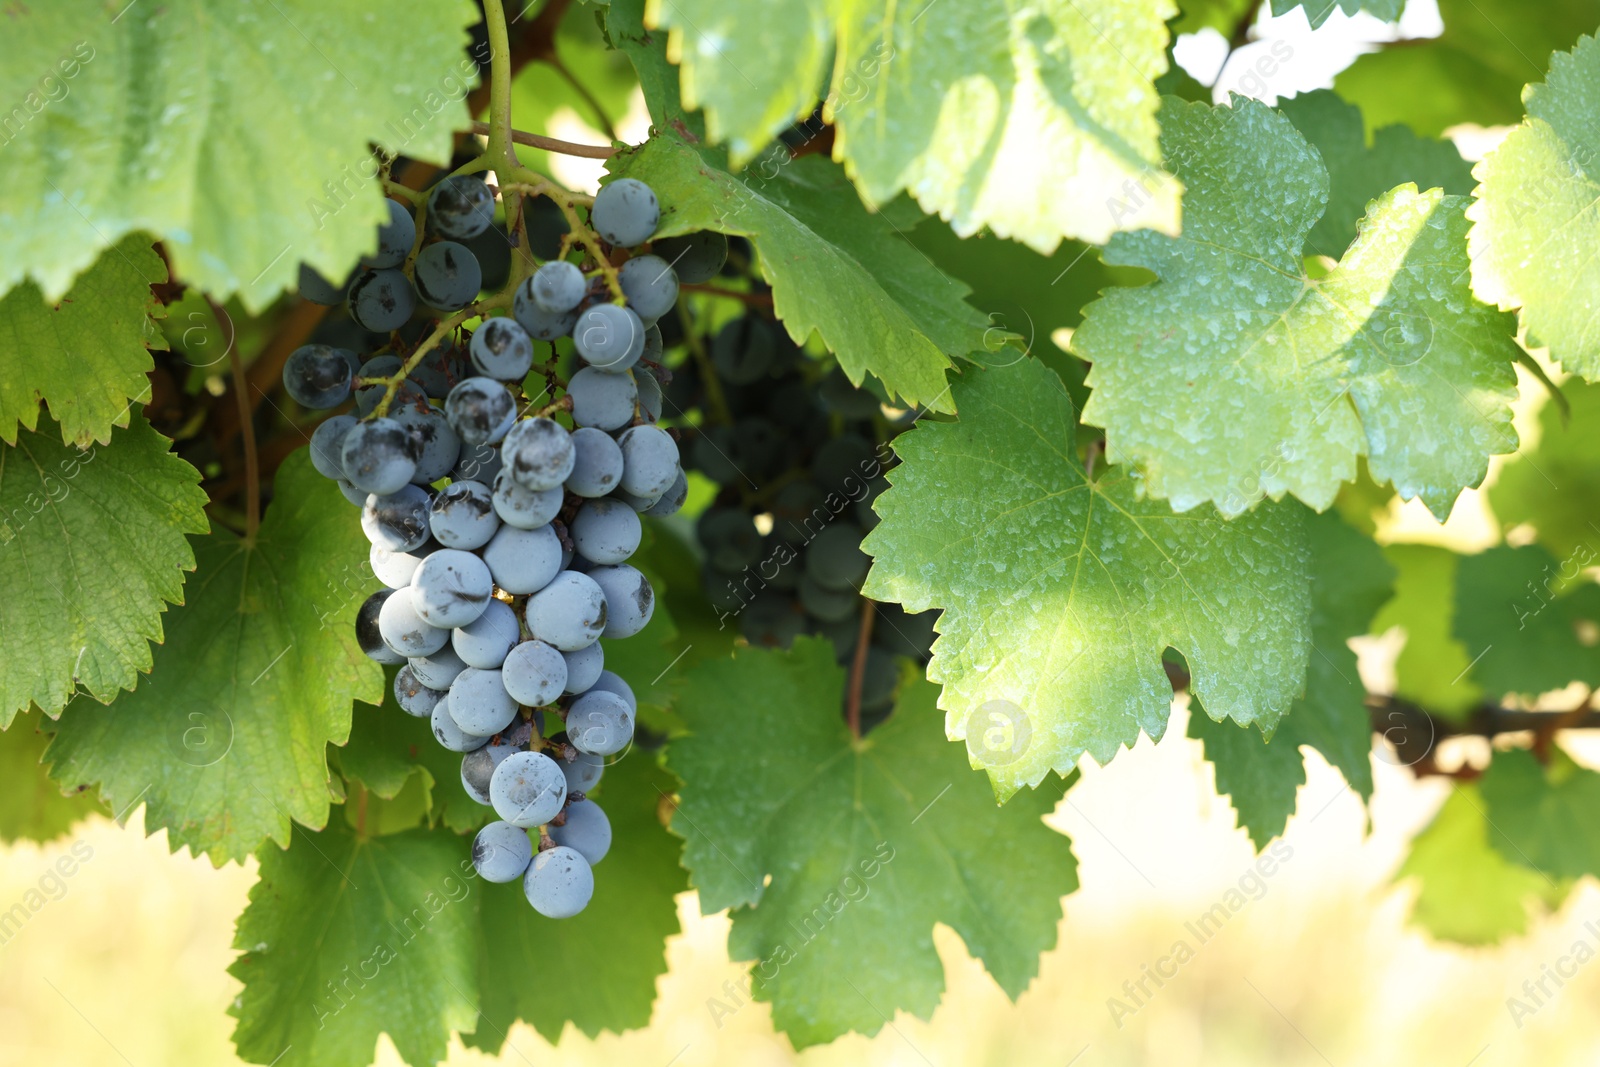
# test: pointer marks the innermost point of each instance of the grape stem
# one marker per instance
(552, 144)
(252, 467)
(858, 668)
(530, 183)
(431, 342)
(499, 150)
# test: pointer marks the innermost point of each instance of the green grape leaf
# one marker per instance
(1219, 15)
(876, 301)
(1534, 228)
(1238, 376)
(613, 951)
(1554, 485)
(86, 355)
(1317, 11)
(32, 808)
(347, 938)
(1038, 123)
(1433, 669)
(1358, 172)
(226, 741)
(1469, 892)
(1060, 593)
(93, 548)
(1472, 72)
(171, 118)
(1519, 612)
(1350, 579)
(867, 845)
(1543, 817)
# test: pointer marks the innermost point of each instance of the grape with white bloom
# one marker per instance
(541, 325)
(625, 213)
(484, 642)
(479, 702)
(539, 453)
(569, 613)
(606, 531)
(649, 285)
(602, 399)
(463, 515)
(528, 789)
(629, 599)
(394, 569)
(448, 276)
(327, 442)
(599, 723)
(648, 391)
(650, 460)
(352, 494)
(609, 337)
(612, 682)
(448, 734)
(395, 237)
(382, 300)
(398, 521)
(432, 437)
(369, 635)
(583, 773)
(671, 502)
(481, 411)
(584, 667)
(414, 698)
(478, 766)
(523, 561)
(586, 830)
(319, 376)
(438, 670)
(406, 631)
(534, 673)
(501, 852)
(460, 206)
(597, 464)
(501, 349)
(451, 588)
(525, 509)
(697, 257)
(559, 883)
(557, 287)
(378, 456)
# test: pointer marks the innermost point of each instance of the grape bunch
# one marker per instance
(501, 534)
(798, 454)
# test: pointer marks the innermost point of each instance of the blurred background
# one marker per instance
(125, 963)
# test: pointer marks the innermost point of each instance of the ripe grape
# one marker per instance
(583, 773)
(647, 387)
(405, 630)
(525, 508)
(382, 300)
(649, 285)
(539, 453)
(541, 324)
(478, 766)
(480, 410)
(697, 257)
(436, 445)
(460, 206)
(625, 213)
(448, 734)
(317, 289)
(395, 238)
(609, 337)
(477, 463)
(318, 376)
(414, 698)
(378, 456)
(438, 670)
(650, 460)
(834, 558)
(629, 599)
(559, 883)
(603, 399)
(523, 561)
(597, 463)
(448, 276)
(671, 502)
(395, 568)
(584, 667)
(606, 531)
(558, 287)
(398, 521)
(451, 588)
(327, 442)
(502, 349)
(611, 682)
(586, 831)
(501, 852)
(535, 673)
(485, 641)
(463, 515)
(368, 633)
(569, 613)
(479, 702)
(527, 789)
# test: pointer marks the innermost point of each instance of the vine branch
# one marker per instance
(552, 144)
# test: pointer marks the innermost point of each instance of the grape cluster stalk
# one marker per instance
(501, 533)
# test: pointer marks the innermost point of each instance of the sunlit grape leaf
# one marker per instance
(225, 742)
(1534, 224)
(32, 807)
(1358, 172)
(1555, 485)
(347, 938)
(1317, 11)
(92, 547)
(237, 134)
(1433, 669)
(1468, 891)
(1521, 611)
(1037, 122)
(87, 354)
(1543, 817)
(1237, 376)
(1061, 593)
(876, 301)
(612, 952)
(867, 844)
(1349, 580)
